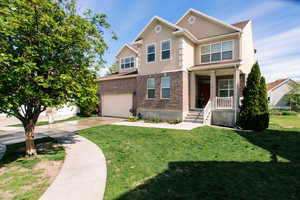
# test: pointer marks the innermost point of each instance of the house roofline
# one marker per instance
(280, 84)
(208, 17)
(159, 19)
(128, 46)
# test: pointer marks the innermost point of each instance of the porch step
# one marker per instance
(195, 116)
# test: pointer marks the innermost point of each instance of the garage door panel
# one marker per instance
(116, 105)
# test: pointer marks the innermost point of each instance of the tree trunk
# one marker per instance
(29, 133)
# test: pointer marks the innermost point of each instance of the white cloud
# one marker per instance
(257, 11)
(279, 54)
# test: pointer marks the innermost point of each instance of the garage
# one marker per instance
(116, 105)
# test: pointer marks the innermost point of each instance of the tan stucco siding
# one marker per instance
(126, 52)
(203, 28)
(188, 54)
(247, 49)
(236, 50)
(151, 37)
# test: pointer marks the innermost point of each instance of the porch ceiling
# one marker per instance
(219, 65)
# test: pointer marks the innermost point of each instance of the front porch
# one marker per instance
(216, 93)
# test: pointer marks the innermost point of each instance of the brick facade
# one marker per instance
(175, 102)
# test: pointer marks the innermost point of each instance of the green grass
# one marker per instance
(204, 163)
(42, 123)
(19, 180)
(286, 121)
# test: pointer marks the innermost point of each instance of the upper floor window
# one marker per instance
(151, 53)
(151, 88)
(166, 50)
(217, 52)
(165, 87)
(127, 62)
(225, 88)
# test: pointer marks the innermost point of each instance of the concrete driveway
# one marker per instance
(11, 135)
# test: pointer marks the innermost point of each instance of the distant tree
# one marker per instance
(294, 96)
(254, 114)
(112, 69)
(48, 56)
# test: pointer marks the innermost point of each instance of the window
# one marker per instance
(166, 50)
(226, 88)
(165, 87)
(151, 53)
(127, 63)
(217, 52)
(151, 88)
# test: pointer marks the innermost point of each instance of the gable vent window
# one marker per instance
(166, 50)
(217, 52)
(192, 19)
(151, 53)
(157, 28)
(127, 63)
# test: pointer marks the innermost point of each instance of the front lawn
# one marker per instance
(286, 121)
(28, 178)
(205, 163)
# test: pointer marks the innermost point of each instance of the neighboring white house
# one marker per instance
(277, 92)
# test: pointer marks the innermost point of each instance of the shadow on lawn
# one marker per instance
(231, 180)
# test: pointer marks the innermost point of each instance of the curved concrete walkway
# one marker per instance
(83, 174)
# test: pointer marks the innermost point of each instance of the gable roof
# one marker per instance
(276, 83)
(129, 47)
(209, 18)
(118, 76)
(241, 24)
(175, 27)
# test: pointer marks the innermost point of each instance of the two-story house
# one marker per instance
(193, 70)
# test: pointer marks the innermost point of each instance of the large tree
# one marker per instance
(254, 112)
(48, 57)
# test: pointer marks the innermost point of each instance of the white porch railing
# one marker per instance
(224, 102)
(207, 113)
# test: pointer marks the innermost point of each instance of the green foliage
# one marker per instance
(133, 118)
(49, 56)
(294, 97)
(254, 114)
(177, 121)
(153, 120)
(112, 69)
(289, 113)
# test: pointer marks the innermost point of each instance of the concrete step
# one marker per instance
(195, 114)
(194, 117)
(194, 121)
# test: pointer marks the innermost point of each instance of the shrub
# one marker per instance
(86, 110)
(289, 113)
(154, 120)
(254, 114)
(133, 118)
(177, 121)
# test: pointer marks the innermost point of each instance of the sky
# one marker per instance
(276, 26)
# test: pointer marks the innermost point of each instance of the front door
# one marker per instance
(203, 93)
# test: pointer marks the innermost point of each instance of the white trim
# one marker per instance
(155, 53)
(168, 40)
(124, 58)
(107, 79)
(147, 97)
(208, 17)
(227, 89)
(221, 42)
(216, 66)
(159, 19)
(128, 46)
(161, 87)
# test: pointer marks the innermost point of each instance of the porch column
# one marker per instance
(236, 92)
(213, 89)
(192, 90)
